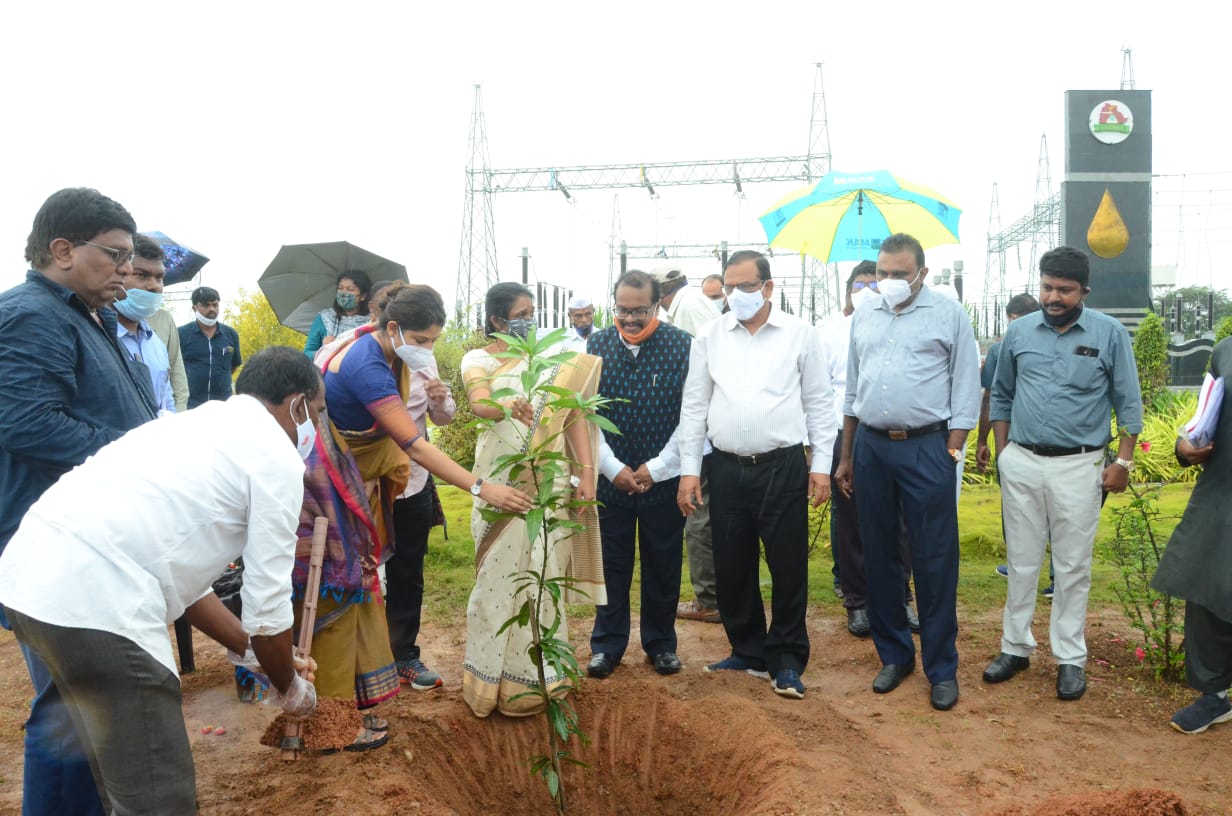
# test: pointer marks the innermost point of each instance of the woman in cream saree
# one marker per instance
(497, 666)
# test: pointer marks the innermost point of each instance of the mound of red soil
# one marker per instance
(1119, 803)
(333, 725)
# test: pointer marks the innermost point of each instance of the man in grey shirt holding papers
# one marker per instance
(913, 395)
(1060, 374)
(758, 386)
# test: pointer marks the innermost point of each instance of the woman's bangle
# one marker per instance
(587, 467)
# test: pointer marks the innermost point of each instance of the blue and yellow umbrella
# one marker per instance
(846, 216)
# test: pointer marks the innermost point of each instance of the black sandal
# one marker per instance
(364, 742)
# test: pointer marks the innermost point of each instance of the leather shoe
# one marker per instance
(857, 622)
(944, 695)
(891, 675)
(913, 620)
(666, 663)
(1005, 667)
(600, 665)
(1071, 681)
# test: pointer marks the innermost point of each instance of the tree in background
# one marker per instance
(249, 313)
(1223, 329)
(1151, 355)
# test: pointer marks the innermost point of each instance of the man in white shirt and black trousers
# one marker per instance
(758, 387)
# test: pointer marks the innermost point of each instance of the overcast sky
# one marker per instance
(238, 127)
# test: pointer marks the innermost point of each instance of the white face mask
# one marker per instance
(417, 358)
(305, 432)
(745, 304)
(205, 321)
(865, 295)
(894, 291)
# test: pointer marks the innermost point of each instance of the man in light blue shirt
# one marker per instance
(913, 396)
(1061, 372)
(144, 285)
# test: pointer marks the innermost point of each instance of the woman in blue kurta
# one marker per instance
(348, 311)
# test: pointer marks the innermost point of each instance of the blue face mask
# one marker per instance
(139, 304)
(520, 327)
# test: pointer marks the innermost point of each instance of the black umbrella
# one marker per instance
(303, 278)
(182, 263)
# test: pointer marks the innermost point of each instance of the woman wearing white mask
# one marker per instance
(354, 474)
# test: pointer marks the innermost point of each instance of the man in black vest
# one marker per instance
(645, 364)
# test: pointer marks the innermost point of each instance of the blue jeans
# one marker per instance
(57, 779)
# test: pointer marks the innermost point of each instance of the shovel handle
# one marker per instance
(308, 619)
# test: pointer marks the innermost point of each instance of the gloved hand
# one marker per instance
(248, 659)
(300, 699)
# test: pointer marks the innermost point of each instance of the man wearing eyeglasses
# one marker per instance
(211, 350)
(759, 387)
(69, 389)
(645, 363)
(913, 396)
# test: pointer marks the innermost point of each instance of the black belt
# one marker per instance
(908, 433)
(1052, 450)
(761, 458)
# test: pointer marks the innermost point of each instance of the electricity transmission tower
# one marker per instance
(994, 271)
(477, 266)
(477, 256)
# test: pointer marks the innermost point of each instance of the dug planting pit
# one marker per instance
(649, 753)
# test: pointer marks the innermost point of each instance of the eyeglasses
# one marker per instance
(636, 314)
(120, 256)
(858, 285)
(747, 288)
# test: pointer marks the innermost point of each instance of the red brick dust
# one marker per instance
(1126, 803)
(331, 727)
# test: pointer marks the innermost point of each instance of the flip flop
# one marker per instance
(374, 723)
(365, 742)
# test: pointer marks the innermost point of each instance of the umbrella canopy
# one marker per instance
(303, 278)
(846, 216)
(182, 263)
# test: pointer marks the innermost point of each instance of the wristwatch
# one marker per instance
(476, 487)
(1128, 464)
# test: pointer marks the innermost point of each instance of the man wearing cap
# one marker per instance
(758, 387)
(211, 350)
(582, 320)
(1061, 373)
(913, 396)
(689, 309)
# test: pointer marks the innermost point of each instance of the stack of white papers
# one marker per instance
(1201, 429)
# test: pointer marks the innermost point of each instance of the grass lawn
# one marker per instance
(449, 568)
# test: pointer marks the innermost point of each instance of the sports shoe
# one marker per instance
(1003, 570)
(415, 674)
(734, 663)
(1202, 713)
(787, 684)
(1047, 591)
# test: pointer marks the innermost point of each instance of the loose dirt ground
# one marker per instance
(698, 743)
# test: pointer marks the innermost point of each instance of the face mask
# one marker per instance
(139, 304)
(519, 327)
(417, 358)
(205, 321)
(894, 291)
(584, 331)
(745, 304)
(305, 432)
(864, 295)
(346, 300)
(1064, 318)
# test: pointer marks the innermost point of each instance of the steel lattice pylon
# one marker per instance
(477, 257)
(477, 265)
